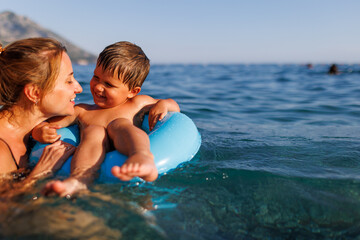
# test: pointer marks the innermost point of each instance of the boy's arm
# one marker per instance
(158, 108)
(45, 132)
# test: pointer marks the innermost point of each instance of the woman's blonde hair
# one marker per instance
(28, 61)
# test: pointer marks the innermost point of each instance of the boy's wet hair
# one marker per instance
(127, 62)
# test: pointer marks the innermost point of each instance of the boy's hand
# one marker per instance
(46, 132)
(157, 112)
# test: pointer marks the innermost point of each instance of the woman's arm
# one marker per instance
(51, 160)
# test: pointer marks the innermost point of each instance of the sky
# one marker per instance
(207, 31)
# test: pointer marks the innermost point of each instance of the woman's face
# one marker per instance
(61, 100)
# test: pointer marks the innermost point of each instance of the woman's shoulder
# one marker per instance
(7, 163)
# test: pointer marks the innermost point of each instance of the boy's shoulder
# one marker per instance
(143, 100)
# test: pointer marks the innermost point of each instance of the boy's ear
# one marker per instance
(133, 92)
(32, 92)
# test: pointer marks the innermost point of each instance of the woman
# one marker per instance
(36, 83)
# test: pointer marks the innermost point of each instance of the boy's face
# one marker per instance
(107, 90)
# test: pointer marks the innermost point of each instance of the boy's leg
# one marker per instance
(134, 143)
(86, 161)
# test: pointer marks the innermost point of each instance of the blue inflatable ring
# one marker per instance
(174, 140)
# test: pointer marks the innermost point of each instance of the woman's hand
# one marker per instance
(52, 158)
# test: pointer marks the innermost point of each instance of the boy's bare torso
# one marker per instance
(133, 110)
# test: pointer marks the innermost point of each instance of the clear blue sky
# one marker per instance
(208, 31)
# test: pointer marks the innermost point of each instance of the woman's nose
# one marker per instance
(78, 88)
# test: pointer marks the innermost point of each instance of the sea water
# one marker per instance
(280, 159)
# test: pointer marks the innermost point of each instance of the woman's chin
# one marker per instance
(68, 112)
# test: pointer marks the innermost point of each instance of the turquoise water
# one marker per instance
(280, 159)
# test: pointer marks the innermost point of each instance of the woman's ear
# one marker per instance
(133, 92)
(32, 92)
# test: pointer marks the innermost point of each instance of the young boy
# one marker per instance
(119, 74)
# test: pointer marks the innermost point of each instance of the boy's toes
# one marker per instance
(54, 187)
(62, 189)
(59, 187)
(117, 172)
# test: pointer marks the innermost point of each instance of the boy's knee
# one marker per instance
(118, 123)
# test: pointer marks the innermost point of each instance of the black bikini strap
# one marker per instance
(10, 152)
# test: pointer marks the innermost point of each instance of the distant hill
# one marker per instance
(14, 27)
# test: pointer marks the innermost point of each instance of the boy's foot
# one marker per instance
(64, 188)
(138, 165)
